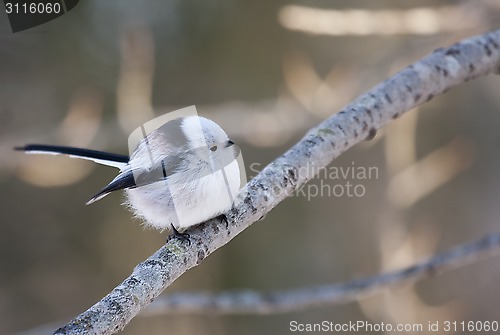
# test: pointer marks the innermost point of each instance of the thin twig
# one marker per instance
(254, 302)
(416, 84)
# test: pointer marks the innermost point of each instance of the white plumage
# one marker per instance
(183, 173)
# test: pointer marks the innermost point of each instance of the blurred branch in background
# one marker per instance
(135, 85)
(414, 85)
(414, 21)
(254, 302)
(425, 176)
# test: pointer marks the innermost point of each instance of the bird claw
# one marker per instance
(223, 218)
(183, 237)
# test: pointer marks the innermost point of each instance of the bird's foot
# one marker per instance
(183, 237)
(223, 218)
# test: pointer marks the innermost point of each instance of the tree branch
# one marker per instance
(253, 302)
(414, 85)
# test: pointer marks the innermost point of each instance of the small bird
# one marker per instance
(179, 175)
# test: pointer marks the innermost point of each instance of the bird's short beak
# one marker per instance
(229, 143)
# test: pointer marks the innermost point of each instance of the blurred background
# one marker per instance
(266, 71)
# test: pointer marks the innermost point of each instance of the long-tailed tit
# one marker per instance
(181, 174)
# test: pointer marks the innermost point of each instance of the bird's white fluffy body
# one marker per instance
(181, 174)
(202, 185)
(185, 204)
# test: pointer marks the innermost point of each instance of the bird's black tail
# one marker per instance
(106, 158)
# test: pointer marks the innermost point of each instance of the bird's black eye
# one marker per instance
(213, 148)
